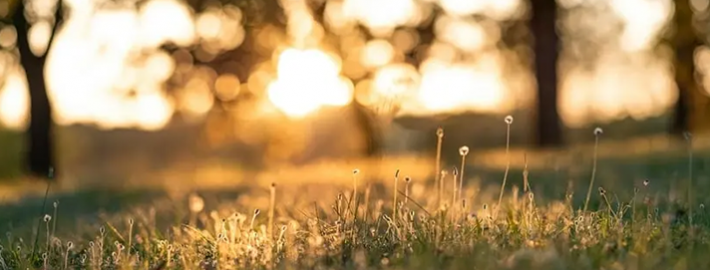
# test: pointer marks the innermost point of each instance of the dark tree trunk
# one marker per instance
(693, 105)
(546, 49)
(39, 147)
(367, 121)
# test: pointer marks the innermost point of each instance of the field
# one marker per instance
(643, 213)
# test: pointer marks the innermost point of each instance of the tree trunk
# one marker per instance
(546, 40)
(39, 148)
(367, 122)
(693, 105)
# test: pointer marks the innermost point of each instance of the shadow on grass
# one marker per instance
(667, 175)
(87, 206)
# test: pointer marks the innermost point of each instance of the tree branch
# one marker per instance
(58, 20)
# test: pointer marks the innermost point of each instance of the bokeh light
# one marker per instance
(306, 81)
(106, 67)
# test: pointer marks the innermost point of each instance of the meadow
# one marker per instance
(603, 205)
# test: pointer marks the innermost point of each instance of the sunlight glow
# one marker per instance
(382, 17)
(451, 87)
(105, 66)
(308, 80)
(14, 101)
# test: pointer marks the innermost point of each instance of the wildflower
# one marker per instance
(47, 218)
(356, 171)
(440, 132)
(646, 182)
(602, 191)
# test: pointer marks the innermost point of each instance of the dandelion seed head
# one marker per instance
(196, 203)
(463, 151)
(598, 131)
(47, 218)
(509, 119)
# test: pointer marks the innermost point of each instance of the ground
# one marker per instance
(212, 215)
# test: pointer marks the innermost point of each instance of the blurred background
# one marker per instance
(111, 89)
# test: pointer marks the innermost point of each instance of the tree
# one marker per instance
(693, 105)
(546, 50)
(40, 152)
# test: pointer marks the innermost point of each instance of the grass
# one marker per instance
(640, 232)
(630, 222)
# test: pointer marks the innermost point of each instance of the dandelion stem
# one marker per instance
(461, 178)
(272, 204)
(507, 165)
(394, 202)
(44, 204)
(437, 176)
(597, 132)
(689, 139)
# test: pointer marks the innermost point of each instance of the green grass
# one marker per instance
(628, 225)
(10, 149)
(319, 227)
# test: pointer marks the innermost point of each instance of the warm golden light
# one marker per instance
(377, 53)
(227, 87)
(306, 81)
(105, 66)
(382, 16)
(14, 101)
(458, 87)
